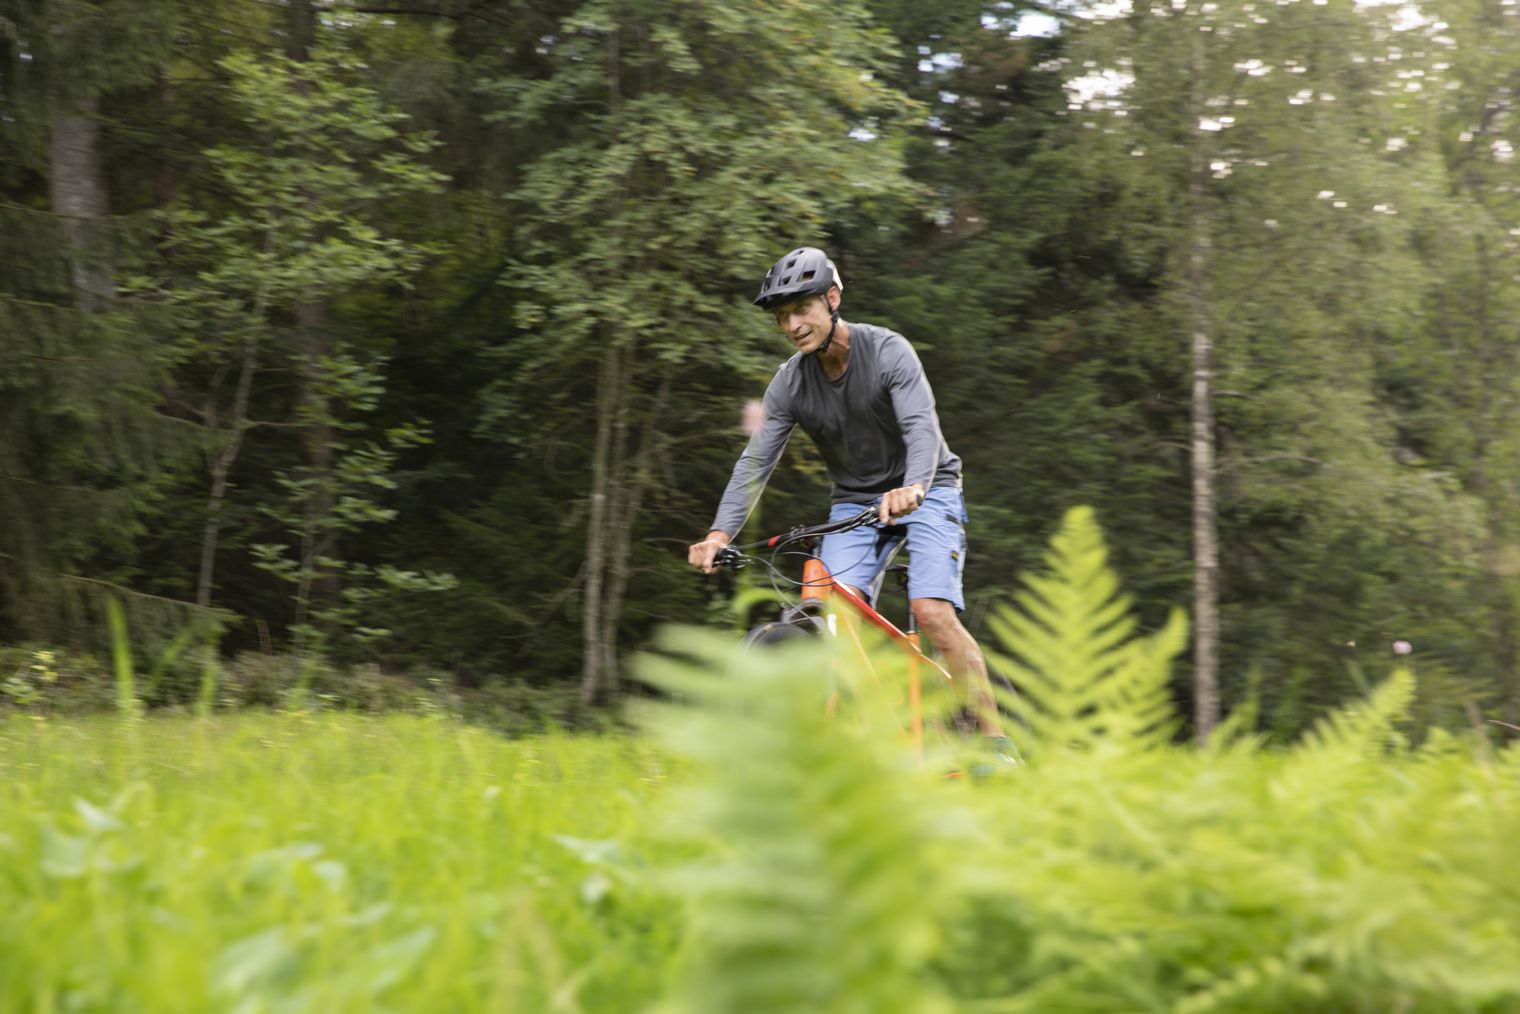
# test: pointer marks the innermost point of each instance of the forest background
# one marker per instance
(394, 348)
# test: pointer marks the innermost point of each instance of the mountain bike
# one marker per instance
(821, 607)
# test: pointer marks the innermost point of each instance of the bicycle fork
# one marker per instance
(817, 584)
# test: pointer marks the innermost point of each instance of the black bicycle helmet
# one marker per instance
(806, 271)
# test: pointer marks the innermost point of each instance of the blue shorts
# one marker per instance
(936, 536)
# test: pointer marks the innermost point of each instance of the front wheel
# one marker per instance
(770, 635)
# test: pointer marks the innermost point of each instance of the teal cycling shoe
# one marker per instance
(1005, 755)
(1006, 749)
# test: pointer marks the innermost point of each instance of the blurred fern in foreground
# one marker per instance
(1117, 872)
(829, 861)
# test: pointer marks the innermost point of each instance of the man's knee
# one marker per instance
(936, 616)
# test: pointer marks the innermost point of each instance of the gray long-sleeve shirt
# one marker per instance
(875, 426)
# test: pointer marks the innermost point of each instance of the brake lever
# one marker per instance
(730, 558)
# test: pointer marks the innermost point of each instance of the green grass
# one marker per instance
(785, 861)
(325, 863)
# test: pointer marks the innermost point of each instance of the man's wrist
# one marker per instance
(720, 535)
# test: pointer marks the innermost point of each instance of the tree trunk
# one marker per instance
(319, 540)
(1205, 518)
(77, 190)
(1494, 378)
(1506, 648)
(619, 524)
(221, 465)
(301, 29)
(637, 484)
(598, 657)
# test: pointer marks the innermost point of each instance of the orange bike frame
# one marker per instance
(818, 585)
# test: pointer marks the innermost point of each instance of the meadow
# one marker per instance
(741, 849)
(322, 862)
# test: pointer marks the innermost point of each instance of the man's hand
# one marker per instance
(897, 502)
(700, 554)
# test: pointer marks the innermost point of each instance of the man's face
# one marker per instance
(805, 322)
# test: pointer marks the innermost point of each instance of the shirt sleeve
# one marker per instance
(754, 467)
(913, 401)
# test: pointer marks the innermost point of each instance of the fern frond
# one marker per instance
(1237, 733)
(1342, 754)
(1366, 727)
(828, 882)
(1070, 648)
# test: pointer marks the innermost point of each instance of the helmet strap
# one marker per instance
(833, 326)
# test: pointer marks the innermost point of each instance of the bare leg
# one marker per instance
(963, 657)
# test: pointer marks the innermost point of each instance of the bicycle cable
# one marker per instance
(782, 544)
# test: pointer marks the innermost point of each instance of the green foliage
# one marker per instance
(296, 225)
(53, 57)
(361, 471)
(656, 201)
(806, 859)
(1367, 727)
(535, 238)
(85, 454)
(24, 687)
(320, 155)
(1083, 677)
(1321, 518)
(802, 905)
(327, 862)
(1346, 873)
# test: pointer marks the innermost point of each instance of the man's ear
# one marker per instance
(832, 297)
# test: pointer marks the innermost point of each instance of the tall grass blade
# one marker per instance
(211, 674)
(127, 704)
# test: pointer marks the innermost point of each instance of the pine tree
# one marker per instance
(1459, 384)
(1287, 262)
(83, 452)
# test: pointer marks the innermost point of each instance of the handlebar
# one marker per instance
(733, 558)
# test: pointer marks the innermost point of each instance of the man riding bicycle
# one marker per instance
(860, 392)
